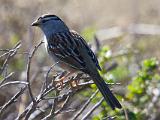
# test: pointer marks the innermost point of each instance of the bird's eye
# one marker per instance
(39, 18)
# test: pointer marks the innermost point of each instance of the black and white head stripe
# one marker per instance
(51, 17)
(47, 17)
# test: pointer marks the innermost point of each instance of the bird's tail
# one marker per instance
(107, 94)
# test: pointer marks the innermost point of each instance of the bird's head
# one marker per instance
(50, 24)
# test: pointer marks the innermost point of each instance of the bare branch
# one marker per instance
(52, 110)
(52, 113)
(46, 83)
(14, 82)
(12, 100)
(91, 111)
(34, 104)
(32, 107)
(11, 54)
(63, 106)
(85, 105)
(19, 117)
(6, 77)
(28, 69)
(4, 50)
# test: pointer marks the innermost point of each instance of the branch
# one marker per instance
(85, 105)
(6, 77)
(11, 54)
(94, 107)
(52, 113)
(12, 100)
(46, 83)
(31, 113)
(63, 106)
(14, 82)
(28, 70)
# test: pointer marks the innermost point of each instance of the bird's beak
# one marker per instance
(35, 23)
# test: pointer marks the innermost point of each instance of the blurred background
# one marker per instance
(124, 34)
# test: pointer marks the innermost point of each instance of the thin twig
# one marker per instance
(34, 103)
(59, 97)
(45, 107)
(63, 106)
(85, 105)
(6, 53)
(125, 112)
(12, 100)
(52, 109)
(11, 54)
(32, 107)
(91, 111)
(28, 70)
(6, 77)
(20, 116)
(91, 82)
(52, 113)
(14, 82)
(46, 80)
(4, 50)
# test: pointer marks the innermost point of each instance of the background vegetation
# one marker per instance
(125, 36)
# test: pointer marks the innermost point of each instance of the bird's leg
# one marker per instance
(71, 83)
(60, 81)
(77, 79)
(77, 83)
(74, 83)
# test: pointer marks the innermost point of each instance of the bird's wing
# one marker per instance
(63, 46)
(78, 38)
(66, 46)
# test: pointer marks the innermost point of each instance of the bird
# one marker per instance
(72, 52)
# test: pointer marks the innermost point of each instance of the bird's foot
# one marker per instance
(73, 84)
